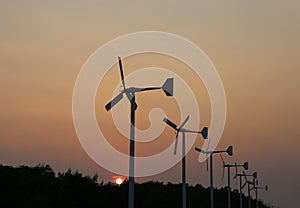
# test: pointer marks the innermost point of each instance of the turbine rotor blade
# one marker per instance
(223, 167)
(223, 171)
(170, 123)
(222, 159)
(184, 122)
(114, 101)
(176, 143)
(199, 150)
(121, 71)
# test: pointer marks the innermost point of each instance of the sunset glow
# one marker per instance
(119, 181)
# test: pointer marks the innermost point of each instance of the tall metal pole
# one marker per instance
(183, 172)
(256, 197)
(211, 182)
(229, 197)
(249, 197)
(241, 197)
(131, 161)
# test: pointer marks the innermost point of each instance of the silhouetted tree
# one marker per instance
(39, 187)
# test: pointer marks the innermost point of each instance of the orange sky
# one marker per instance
(254, 46)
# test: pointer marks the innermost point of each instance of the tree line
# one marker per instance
(41, 187)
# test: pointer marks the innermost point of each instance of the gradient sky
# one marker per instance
(254, 45)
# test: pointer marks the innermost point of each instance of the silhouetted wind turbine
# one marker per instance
(255, 187)
(183, 131)
(130, 93)
(245, 165)
(229, 151)
(254, 175)
(249, 183)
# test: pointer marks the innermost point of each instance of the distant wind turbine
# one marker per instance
(255, 188)
(183, 131)
(249, 183)
(254, 175)
(130, 93)
(245, 165)
(229, 151)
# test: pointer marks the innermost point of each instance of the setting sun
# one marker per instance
(119, 181)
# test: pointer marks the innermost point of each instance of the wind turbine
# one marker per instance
(245, 165)
(183, 131)
(254, 175)
(255, 187)
(130, 93)
(249, 183)
(229, 151)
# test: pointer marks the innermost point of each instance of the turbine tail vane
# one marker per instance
(246, 165)
(254, 175)
(204, 132)
(168, 87)
(230, 150)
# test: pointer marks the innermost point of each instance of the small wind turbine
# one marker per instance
(245, 165)
(130, 93)
(229, 151)
(249, 183)
(183, 131)
(256, 187)
(254, 175)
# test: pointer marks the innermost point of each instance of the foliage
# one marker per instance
(39, 187)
